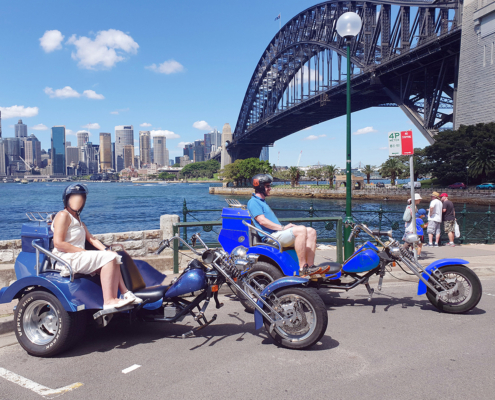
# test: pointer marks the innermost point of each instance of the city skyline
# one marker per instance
(155, 82)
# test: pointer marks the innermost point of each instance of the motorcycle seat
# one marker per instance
(152, 293)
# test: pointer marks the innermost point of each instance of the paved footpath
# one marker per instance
(395, 347)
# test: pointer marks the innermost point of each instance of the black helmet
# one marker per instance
(75, 188)
(259, 182)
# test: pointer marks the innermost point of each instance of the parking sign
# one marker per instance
(394, 144)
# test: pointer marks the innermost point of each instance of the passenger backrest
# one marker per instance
(130, 273)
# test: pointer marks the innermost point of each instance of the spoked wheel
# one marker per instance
(306, 317)
(465, 290)
(260, 275)
(43, 327)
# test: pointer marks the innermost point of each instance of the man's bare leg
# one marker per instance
(310, 245)
(300, 233)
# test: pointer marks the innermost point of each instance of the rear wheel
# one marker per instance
(466, 292)
(260, 275)
(306, 317)
(43, 327)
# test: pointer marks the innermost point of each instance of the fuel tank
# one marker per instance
(363, 260)
(192, 279)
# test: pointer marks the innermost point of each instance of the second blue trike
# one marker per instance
(448, 283)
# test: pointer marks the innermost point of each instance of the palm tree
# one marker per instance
(329, 172)
(295, 175)
(391, 168)
(368, 170)
(481, 164)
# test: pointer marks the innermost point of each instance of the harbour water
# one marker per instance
(121, 207)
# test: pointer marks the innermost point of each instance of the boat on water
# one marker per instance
(24, 181)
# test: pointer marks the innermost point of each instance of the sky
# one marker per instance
(176, 67)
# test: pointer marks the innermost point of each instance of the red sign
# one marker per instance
(406, 138)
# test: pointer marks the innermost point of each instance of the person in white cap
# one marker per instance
(409, 213)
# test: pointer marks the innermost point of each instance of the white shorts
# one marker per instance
(286, 237)
(434, 227)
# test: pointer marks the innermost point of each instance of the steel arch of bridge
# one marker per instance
(406, 55)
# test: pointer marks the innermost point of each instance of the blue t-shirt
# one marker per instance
(419, 229)
(257, 206)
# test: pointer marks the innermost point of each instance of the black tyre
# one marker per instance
(467, 295)
(43, 327)
(260, 275)
(309, 317)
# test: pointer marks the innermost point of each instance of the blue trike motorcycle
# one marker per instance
(53, 310)
(448, 284)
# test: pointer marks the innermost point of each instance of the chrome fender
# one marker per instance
(272, 287)
(437, 264)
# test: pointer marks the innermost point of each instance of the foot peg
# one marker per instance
(198, 328)
(370, 291)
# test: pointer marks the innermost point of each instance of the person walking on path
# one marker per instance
(448, 217)
(409, 216)
(434, 219)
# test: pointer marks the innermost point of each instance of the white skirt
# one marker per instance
(85, 262)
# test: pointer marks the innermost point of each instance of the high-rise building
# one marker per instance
(145, 147)
(68, 144)
(128, 156)
(58, 150)
(32, 150)
(216, 139)
(113, 156)
(177, 160)
(124, 136)
(105, 151)
(3, 159)
(0, 126)
(171, 162)
(189, 150)
(82, 139)
(72, 155)
(199, 150)
(91, 157)
(21, 130)
(265, 154)
(160, 150)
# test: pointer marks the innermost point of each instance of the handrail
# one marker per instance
(263, 233)
(51, 255)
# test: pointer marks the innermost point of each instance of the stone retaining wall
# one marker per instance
(457, 196)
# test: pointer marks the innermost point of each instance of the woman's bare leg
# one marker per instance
(122, 287)
(109, 276)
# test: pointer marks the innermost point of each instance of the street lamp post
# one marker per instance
(348, 26)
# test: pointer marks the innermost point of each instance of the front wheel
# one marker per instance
(466, 294)
(43, 327)
(306, 317)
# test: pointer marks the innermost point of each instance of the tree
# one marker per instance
(453, 150)
(241, 171)
(315, 174)
(295, 175)
(392, 168)
(166, 176)
(282, 175)
(329, 172)
(202, 169)
(176, 165)
(421, 164)
(481, 164)
(368, 170)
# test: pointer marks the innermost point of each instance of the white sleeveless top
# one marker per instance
(76, 234)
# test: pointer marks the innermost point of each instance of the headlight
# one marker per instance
(411, 238)
(239, 252)
(395, 251)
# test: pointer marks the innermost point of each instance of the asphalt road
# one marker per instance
(396, 347)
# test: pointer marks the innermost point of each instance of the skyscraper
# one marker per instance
(0, 126)
(3, 159)
(32, 150)
(72, 156)
(160, 150)
(82, 139)
(124, 136)
(58, 150)
(21, 130)
(105, 151)
(91, 157)
(265, 154)
(199, 150)
(128, 155)
(145, 147)
(113, 156)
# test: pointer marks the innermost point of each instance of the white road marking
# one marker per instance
(36, 387)
(130, 369)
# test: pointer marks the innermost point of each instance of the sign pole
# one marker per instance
(413, 203)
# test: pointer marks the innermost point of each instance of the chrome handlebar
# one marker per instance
(263, 233)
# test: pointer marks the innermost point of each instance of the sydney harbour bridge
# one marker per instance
(406, 55)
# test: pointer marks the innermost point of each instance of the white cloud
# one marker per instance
(67, 92)
(145, 124)
(104, 51)
(114, 112)
(202, 126)
(91, 94)
(363, 131)
(69, 132)
(18, 112)
(307, 129)
(91, 126)
(51, 41)
(167, 67)
(182, 144)
(40, 127)
(314, 137)
(82, 130)
(167, 134)
(63, 93)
